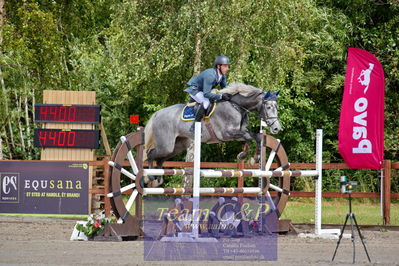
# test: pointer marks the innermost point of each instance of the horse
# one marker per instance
(167, 135)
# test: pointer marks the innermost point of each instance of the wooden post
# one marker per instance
(105, 140)
(240, 181)
(1, 149)
(107, 203)
(139, 163)
(387, 192)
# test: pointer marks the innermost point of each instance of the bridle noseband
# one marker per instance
(268, 123)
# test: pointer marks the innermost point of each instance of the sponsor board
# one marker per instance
(44, 187)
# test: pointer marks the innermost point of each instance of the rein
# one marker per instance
(247, 111)
(244, 114)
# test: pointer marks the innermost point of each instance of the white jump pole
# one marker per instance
(319, 167)
(196, 178)
(321, 233)
(327, 233)
(254, 173)
(194, 236)
(203, 190)
(228, 173)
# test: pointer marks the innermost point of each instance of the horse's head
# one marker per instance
(268, 111)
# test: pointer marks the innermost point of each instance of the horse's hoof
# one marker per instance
(142, 181)
(156, 183)
(241, 156)
(160, 179)
(251, 161)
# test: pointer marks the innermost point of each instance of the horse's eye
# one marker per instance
(269, 107)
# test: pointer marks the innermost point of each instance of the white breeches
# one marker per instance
(199, 98)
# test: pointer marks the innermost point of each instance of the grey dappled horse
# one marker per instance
(166, 135)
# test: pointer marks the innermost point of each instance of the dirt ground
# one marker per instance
(45, 241)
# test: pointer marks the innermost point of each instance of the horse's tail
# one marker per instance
(149, 137)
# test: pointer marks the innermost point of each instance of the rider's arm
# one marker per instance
(208, 86)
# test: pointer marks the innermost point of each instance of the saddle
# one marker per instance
(189, 111)
(188, 114)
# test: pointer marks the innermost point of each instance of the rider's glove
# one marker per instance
(226, 97)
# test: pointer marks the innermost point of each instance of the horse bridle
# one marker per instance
(269, 124)
(274, 121)
(247, 111)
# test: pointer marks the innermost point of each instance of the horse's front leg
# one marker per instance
(258, 139)
(247, 137)
(245, 150)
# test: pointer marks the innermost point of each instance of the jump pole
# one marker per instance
(198, 173)
(319, 181)
(196, 177)
(320, 233)
(229, 173)
(194, 236)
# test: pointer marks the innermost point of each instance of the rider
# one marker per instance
(201, 86)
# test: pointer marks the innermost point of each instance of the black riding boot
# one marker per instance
(198, 117)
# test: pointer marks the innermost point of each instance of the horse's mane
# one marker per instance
(242, 89)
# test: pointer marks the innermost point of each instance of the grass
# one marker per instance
(298, 211)
(303, 211)
(334, 212)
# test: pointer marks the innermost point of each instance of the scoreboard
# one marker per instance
(57, 113)
(67, 138)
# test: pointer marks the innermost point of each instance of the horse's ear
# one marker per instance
(267, 95)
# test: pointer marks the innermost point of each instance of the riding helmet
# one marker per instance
(222, 60)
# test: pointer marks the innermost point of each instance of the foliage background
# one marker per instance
(137, 55)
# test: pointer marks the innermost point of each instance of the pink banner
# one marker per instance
(361, 125)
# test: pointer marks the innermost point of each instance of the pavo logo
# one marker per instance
(364, 77)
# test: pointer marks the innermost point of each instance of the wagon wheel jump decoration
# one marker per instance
(273, 154)
(117, 184)
(277, 179)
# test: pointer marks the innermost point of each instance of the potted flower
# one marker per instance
(95, 225)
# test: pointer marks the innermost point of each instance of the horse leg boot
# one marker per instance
(198, 117)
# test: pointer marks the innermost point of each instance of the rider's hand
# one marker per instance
(226, 97)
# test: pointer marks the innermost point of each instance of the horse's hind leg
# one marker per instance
(158, 180)
(159, 154)
(162, 151)
(245, 150)
(181, 144)
(147, 179)
(153, 181)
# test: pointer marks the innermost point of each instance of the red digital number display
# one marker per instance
(74, 138)
(56, 113)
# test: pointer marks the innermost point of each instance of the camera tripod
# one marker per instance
(352, 218)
